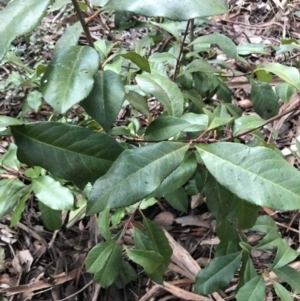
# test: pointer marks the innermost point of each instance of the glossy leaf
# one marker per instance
(69, 152)
(264, 99)
(217, 274)
(288, 74)
(247, 122)
(165, 127)
(254, 290)
(19, 209)
(164, 90)
(127, 274)
(272, 238)
(149, 260)
(226, 230)
(10, 193)
(250, 48)
(52, 194)
(138, 102)
(134, 175)
(285, 254)
(178, 199)
(226, 44)
(217, 122)
(170, 27)
(224, 204)
(247, 271)
(68, 78)
(103, 223)
(198, 122)
(161, 245)
(282, 292)
(105, 260)
(19, 18)
(255, 174)
(200, 65)
(140, 61)
(290, 276)
(51, 218)
(7, 121)
(69, 38)
(106, 98)
(178, 177)
(284, 91)
(188, 9)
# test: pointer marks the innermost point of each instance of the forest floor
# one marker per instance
(37, 264)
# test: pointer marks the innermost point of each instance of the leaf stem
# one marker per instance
(83, 24)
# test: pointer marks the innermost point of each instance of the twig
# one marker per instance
(297, 108)
(181, 49)
(83, 24)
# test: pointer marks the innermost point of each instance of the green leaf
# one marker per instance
(68, 78)
(127, 274)
(188, 9)
(288, 74)
(140, 61)
(58, 4)
(247, 122)
(284, 91)
(52, 194)
(7, 121)
(159, 240)
(272, 238)
(69, 152)
(224, 204)
(217, 122)
(250, 48)
(106, 98)
(103, 224)
(19, 18)
(178, 199)
(51, 218)
(217, 274)
(9, 159)
(285, 254)
(105, 260)
(134, 175)
(178, 177)
(165, 127)
(254, 290)
(149, 260)
(282, 292)
(69, 38)
(255, 174)
(247, 271)
(290, 276)
(200, 65)
(142, 241)
(138, 102)
(264, 99)
(34, 100)
(198, 122)
(10, 192)
(170, 27)
(229, 239)
(18, 211)
(226, 44)
(166, 91)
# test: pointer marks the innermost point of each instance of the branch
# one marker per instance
(82, 21)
